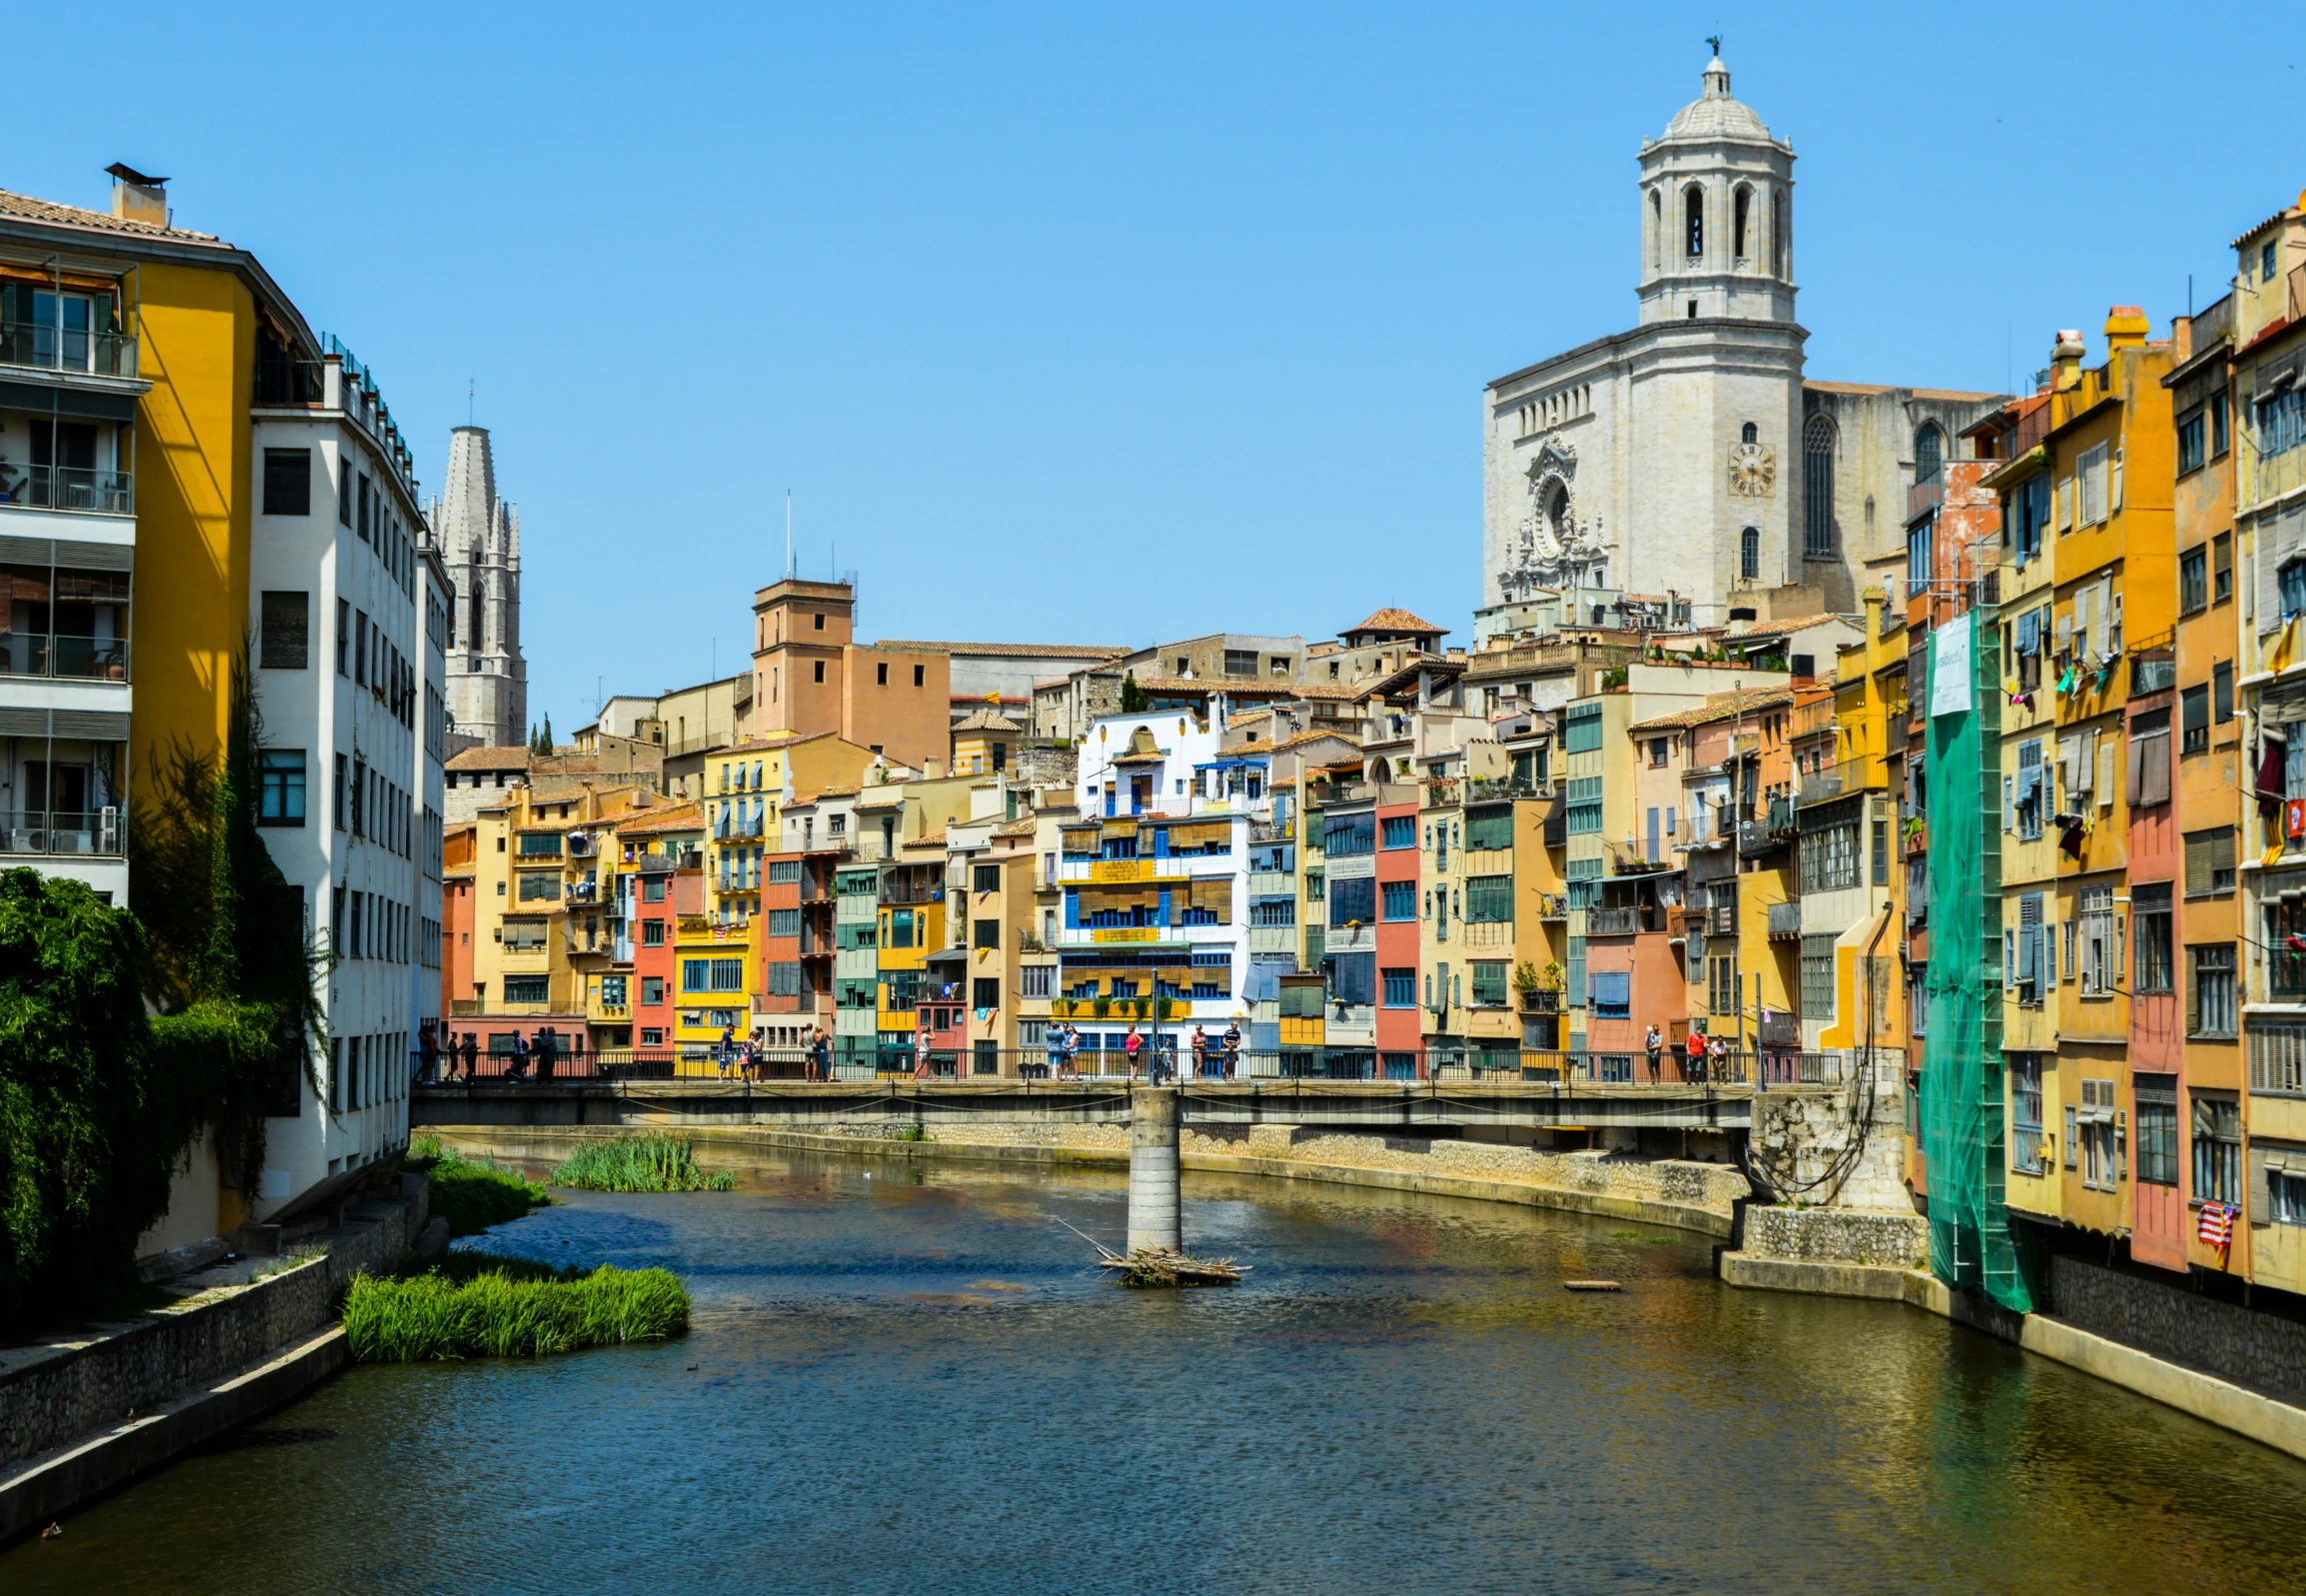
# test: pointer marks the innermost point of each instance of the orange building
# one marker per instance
(811, 675)
(456, 875)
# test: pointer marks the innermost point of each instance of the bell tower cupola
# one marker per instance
(1717, 213)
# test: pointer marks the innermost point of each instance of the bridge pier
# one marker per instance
(1155, 1220)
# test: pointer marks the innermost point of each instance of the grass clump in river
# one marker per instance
(472, 1194)
(640, 1163)
(476, 1304)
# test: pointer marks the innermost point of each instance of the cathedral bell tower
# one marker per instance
(1716, 214)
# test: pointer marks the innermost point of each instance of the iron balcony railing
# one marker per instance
(67, 349)
(1839, 780)
(95, 831)
(41, 654)
(79, 489)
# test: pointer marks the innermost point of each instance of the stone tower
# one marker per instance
(480, 538)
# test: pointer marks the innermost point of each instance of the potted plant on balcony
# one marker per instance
(1100, 1006)
(1525, 981)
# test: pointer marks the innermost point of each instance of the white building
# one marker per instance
(349, 602)
(1688, 457)
(480, 537)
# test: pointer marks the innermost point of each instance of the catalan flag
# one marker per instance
(2216, 1226)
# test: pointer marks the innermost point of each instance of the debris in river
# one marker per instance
(1159, 1266)
(1591, 1285)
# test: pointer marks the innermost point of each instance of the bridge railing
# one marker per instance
(1455, 1065)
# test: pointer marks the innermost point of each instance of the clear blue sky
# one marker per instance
(1102, 323)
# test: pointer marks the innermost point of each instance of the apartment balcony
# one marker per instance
(1537, 1000)
(1622, 921)
(71, 350)
(1840, 781)
(1122, 871)
(1273, 830)
(76, 490)
(94, 833)
(1272, 939)
(1553, 906)
(59, 655)
(582, 892)
(1785, 921)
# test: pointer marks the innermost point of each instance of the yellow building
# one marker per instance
(543, 905)
(743, 789)
(1869, 727)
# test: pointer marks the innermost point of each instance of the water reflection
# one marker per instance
(908, 1380)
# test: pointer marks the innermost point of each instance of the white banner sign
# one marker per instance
(1950, 654)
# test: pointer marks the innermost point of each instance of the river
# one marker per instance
(903, 1380)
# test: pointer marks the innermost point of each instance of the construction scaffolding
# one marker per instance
(1961, 1076)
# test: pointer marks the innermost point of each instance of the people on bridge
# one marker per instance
(1693, 1056)
(517, 1069)
(471, 1051)
(1055, 1044)
(1232, 1044)
(1133, 1044)
(1201, 1046)
(548, 1048)
(1655, 1046)
(428, 1054)
(1071, 1052)
(727, 1050)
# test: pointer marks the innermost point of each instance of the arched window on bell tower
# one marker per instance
(1693, 222)
(1750, 554)
(1749, 433)
(1742, 225)
(1780, 246)
(1656, 230)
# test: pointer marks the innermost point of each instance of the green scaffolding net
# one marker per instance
(1961, 1076)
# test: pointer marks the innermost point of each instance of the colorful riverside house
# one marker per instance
(1398, 880)
(1764, 994)
(856, 968)
(1348, 893)
(990, 886)
(2109, 450)
(659, 877)
(2013, 438)
(2211, 777)
(911, 929)
(1869, 1009)
(2259, 1155)
(712, 1010)
(795, 947)
(1500, 823)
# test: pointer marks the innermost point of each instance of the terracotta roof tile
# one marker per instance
(1718, 707)
(26, 208)
(490, 760)
(986, 721)
(679, 817)
(1391, 619)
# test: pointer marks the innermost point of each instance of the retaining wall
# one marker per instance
(1838, 1235)
(2256, 1351)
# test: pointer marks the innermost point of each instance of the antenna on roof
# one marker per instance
(789, 534)
(468, 383)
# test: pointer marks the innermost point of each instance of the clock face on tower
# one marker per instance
(1753, 470)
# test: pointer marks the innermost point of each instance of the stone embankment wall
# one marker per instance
(2250, 1348)
(54, 1393)
(1837, 1235)
(1695, 1196)
(1800, 1135)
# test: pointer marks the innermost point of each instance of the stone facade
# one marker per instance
(1680, 456)
(2253, 1349)
(1799, 1134)
(1837, 1235)
(478, 535)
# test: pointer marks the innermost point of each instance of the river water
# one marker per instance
(903, 1380)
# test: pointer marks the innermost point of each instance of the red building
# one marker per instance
(1401, 1026)
(795, 947)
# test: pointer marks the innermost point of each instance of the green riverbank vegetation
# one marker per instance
(640, 1163)
(475, 1305)
(127, 1037)
(472, 1194)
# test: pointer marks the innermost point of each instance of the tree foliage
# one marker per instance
(1132, 699)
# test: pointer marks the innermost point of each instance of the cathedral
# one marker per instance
(480, 537)
(1688, 469)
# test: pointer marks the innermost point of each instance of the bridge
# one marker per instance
(1154, 1115)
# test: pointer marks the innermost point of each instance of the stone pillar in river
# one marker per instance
(1152, 1169)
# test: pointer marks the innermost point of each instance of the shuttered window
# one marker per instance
(1490, 899)
(2210, 862)
(1490, 829)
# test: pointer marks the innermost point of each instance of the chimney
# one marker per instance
(2127, 326)
(137, 198)
(2066, 360)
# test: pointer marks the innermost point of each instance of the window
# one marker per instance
(2026, 1113)
(1721, 985)
(1929, 447)
(652, 991)
(2155, 1099)
(2222, 567)
(652, 934)
(288, 482)
(984, 878)
(2210, 999)
(2221, 693)
(695, 974)
(1489, 982)
(1490, 899)
(2285, 1194)
(1400, 900)
(1818, 978)
(1352, 901)
(2100, 943)
(784, 871)
(985, 934)
(2150, 909)
(1401, 830)
(1749, 433)
(1241, 662)
(2194, 581)
(2217, 1148)
(2194, 719)
(2028, 509)
(728, 976)
(1741, 236)
(1830, 858)
(2218, 426)
(880, 673)
(818, 670)
(1490, 830)
(1581, 729)
(2099, 1141)
(285, 620)
(1347, 835)
(2282, 422)
(1033, 981)
(1693, 222)
(539, 886)
(2266, 261)
(280, 786)
(2290, 581)
(2210, 862)
(1609, 993)
(2090, 471)
(1400, 989)
(1750, 554)
(2190, 438)
(528, 989)
(1817, 489)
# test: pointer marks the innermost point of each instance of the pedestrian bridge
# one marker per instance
(1375, 1105)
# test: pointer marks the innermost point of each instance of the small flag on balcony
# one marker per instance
(2216, 1228)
